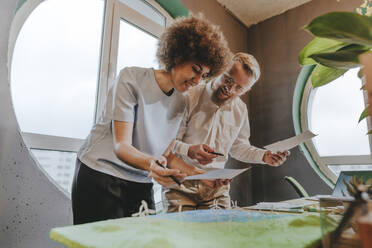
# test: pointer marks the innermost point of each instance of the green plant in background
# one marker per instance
(340, 37)
(365, 8)
(354, 184)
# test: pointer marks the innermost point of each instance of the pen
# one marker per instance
(173, 177)
(217, 153)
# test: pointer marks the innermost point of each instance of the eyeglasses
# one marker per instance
(229, 81)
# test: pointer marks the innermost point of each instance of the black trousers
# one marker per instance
(97, 196)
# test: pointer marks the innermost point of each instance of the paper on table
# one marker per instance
(281, 205)
(217, 174)
(289, 143)
(276, 206)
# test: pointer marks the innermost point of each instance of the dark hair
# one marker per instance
(194, 38)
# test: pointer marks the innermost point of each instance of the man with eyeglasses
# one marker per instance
(217, 118)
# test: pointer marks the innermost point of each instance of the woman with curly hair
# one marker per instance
(142, 115)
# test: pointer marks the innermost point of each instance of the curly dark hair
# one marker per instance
(194, 38)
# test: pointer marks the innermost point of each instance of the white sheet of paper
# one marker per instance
(217, 174)
(289, 143)
(281, 205)
(277, 206)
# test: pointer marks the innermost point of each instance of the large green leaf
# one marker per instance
(342, 59)
(323, 75)
(343, 26)
(318, 45)
(364, 114)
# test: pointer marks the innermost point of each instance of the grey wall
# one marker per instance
(234, 31)
(276, 43)
(30, 205)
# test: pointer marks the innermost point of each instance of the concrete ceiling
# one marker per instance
(253, 11)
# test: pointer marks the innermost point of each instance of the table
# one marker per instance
(201, 228)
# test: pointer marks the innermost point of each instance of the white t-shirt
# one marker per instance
(134, 97)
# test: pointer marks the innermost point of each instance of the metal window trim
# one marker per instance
(122, 11)
(368, 119)
(306, 101)
(297, 115)
(102, 84)
(50, 142)
(158, 7)
(347, 160)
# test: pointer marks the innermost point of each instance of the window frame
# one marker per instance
(113, 15)
(301, 101)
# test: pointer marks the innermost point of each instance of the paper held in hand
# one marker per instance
(217, 174)
(289, 143)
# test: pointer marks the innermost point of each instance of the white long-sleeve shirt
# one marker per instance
(224, 128)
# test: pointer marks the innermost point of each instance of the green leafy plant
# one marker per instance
(365, 8)
(355, 184)
(340, 38)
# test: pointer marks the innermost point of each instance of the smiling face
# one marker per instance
(232, 83)
(188, 74)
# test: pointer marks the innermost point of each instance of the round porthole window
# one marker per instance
(332, 111)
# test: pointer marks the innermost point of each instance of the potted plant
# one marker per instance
(340, 39)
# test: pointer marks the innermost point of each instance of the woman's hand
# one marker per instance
(161, 174)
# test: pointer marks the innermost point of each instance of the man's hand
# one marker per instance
(162, 175)
(202, 153)
(275, 159)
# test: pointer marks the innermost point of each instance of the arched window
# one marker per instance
(332, 111)
(64, 55)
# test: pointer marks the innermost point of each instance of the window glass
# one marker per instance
(55, 68)
(334, 111)
(60, 166)
(146, 9)
(136, 47)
